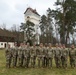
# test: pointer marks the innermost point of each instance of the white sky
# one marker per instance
(12, 11)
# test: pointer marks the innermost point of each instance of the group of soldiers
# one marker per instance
(40, 56)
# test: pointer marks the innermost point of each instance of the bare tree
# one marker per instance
(3, 26)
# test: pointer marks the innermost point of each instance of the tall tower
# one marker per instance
(32, 15)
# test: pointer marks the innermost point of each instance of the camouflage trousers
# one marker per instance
(49, 61)
(20, 60)
(64, 61)
(33, 61)
(58, 61)
(44, 61)
(39, 59)
(8, 62)
(14, 61)
(73, 61)
(26, 61)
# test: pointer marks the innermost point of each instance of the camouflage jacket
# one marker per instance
(72, 53)
(65, 52)
(57, 52)
(50, 52)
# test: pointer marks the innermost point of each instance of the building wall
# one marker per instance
(32, 17)
(4, 44)
(36, 20)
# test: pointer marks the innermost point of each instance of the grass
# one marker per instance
(32, 71)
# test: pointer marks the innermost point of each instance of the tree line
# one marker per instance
(60, 22)
(57, 24)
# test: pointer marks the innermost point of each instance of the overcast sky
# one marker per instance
(12, 11)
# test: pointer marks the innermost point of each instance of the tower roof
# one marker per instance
(32, 10)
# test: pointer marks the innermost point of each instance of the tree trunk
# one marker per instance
(67, 39)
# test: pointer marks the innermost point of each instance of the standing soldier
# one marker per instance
(39, 53)
(8, 56)
(23, 55)
(23, 48)
(27, 56)
(61, 48)
(45, 52)
(65, 54)
(15, 55)
(42, 55)
(72, 55)
(20, 55)
(33, 55)
(50, 55)
(57, 52)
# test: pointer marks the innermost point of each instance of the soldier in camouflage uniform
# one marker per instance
(23, 57)
(65, 54)
(61, 48)
(33, 55)
(8, 55)
(15, 55)
(50, 55)
(57, 52)
(20, 55)
(44, 61)
(27, 56)
(39, 53)
(23, 49)
(72, 55)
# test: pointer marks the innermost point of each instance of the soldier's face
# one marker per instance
(28, 44)
(63, 46)
(72, 46)
(50, 45)
(24, 44)
(15, 44)
(41, 45)
(60, 45)
(8, 46)
(21, 44)
(34, 45)
(56, 45)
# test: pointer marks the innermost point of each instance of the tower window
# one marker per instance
(28, 17)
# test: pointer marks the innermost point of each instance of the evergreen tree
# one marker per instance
(65, 16)
(29, 30)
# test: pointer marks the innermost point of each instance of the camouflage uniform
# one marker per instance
(33, 56)
(20, 53)
(44, 58)
(27, 57)
(72, 55)
(38, 55)
(8, 55)
(58, 53)
(50, 56)
(65, 54)
(15, 55)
